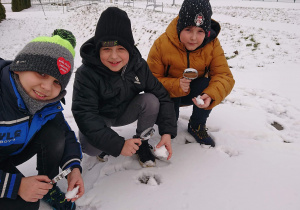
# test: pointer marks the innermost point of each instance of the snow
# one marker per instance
(199, 100)
(161, 152)
(72, 194)
(256, 161)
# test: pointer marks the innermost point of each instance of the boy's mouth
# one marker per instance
(115, 63)
(40, 95)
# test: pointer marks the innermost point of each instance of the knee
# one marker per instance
(86, 147)
(151, 102)
(53, 137)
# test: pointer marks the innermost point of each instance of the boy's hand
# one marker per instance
(185, 84)
(74, 180)
(131, 146)
(34, 188)
(205, 98)
(166, 140)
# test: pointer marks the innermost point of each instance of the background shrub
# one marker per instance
(2, 12)
(19, 5)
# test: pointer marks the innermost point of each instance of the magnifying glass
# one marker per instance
(61, 175)
(146, 134)
(190, 73)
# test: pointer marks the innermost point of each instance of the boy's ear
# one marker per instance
(16, 72)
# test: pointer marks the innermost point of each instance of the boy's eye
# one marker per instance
(57, 82)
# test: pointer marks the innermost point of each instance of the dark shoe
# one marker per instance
(56, 199)
(200, 134)
(146, 158)
(102, 157)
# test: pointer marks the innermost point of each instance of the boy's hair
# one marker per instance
(114, 28)
(195, 13)
(49, 55)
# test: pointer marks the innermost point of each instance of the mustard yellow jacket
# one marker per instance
(168, 58)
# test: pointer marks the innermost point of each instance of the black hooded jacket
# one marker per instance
(99, 92)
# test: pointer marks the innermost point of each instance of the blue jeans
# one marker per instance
(48, 144)
(199, 116)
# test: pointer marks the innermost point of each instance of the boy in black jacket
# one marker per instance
(32, 123)
(107, 92)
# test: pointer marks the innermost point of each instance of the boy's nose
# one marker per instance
(193, 36)
(46, 85)
(114, 54)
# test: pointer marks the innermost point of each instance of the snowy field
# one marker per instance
(256, 162)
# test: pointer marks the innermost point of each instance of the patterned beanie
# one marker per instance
(49, 55)
(195, 13)
(114, 28)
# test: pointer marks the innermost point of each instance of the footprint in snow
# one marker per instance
(149, 179)
(228, 151)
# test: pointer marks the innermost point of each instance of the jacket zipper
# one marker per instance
(123, 78)
(123, 72)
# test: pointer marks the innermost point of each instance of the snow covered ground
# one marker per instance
(256, 161)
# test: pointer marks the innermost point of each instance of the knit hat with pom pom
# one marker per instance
(49, 55)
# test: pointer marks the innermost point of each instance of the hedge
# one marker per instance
(2, 12)
(19, 5)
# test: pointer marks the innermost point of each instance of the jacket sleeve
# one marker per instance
(85, 108)
(9, 184)
(72, 153)
(160, 69)
(166, 119)
(222, 81)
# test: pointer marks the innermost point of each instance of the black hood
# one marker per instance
(214, 32)
(88, 53)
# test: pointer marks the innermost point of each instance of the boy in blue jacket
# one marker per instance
(32, 123)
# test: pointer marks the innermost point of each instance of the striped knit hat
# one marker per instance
(49, 55)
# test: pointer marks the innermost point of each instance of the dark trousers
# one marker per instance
(144, 108)
(199, 116)
(48, 144)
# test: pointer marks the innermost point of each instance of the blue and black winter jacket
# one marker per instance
(18, 126)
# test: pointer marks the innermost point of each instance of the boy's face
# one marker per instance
(39, 86)
(192, 37)
(114, 57)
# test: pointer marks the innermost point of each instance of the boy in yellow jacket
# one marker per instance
(190, 41)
